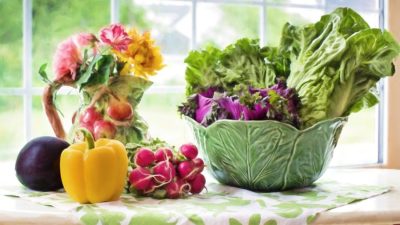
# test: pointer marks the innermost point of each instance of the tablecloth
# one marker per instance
(220, 204)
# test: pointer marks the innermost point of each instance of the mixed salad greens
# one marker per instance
(319, 71)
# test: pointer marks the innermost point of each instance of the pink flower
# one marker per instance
(84, 39)
(115, 36)
(66, 61)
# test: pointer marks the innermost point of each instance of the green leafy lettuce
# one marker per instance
(333, 65)
(336, 63)
(240, 63)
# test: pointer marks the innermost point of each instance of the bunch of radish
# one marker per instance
(163, 173)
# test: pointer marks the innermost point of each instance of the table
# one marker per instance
(383, 209)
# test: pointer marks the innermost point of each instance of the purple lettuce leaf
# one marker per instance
(277, 102)
(204, 106)
(232, 106)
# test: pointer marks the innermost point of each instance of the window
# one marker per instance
(178, 26)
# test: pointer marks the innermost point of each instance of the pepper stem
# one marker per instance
(88, 137)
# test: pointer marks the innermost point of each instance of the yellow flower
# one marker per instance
(142, 58)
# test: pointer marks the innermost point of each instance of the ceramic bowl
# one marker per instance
(267, 155)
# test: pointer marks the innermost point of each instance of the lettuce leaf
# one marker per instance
(243, 62)
(277, 102)
(201, 70)
(331, 68)
(336, 63)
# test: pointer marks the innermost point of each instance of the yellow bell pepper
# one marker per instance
(93, 172)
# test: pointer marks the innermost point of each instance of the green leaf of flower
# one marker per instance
(85, 75)
(43, 74)
(104, 69)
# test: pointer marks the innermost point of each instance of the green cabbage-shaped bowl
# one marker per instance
(267, 155)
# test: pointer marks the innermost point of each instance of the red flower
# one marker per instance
(115, 36)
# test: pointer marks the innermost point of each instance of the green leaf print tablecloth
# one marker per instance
(219, 205)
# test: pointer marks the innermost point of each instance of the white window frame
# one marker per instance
(27, 91)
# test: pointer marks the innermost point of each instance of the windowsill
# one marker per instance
(361, 166)
(382, 209)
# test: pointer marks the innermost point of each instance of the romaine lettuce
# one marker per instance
(336, 63)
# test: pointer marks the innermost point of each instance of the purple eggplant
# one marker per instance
(38, 164)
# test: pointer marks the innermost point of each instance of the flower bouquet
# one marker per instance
(268, 118)
(111, 74)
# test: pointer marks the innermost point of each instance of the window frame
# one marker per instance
(387, 110)
(392, 121)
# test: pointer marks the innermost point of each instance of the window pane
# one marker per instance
(297, 2)
(278, 16)
(362, 5)
(169, 22)
(11, 126)
(54, 21)
(171, 27)
(372, 18)
(172, 74)
(222, 24)
(358, 140)
(369, 10)
(160, 112)
(68, 104)
(11, 43)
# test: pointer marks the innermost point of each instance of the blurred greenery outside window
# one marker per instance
(178, 26)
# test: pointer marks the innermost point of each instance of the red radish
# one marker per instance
(199, 164)
(189, 151)
(187, 170)
(185, 187)
(120, 110)
(176, 189)
(141, 179)
(164, 172)
(163, 154)
(90, 116)
(175, 160)
(173, 189)
(197, 184)
(144, 157)
(151, 188)
(104, 129)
